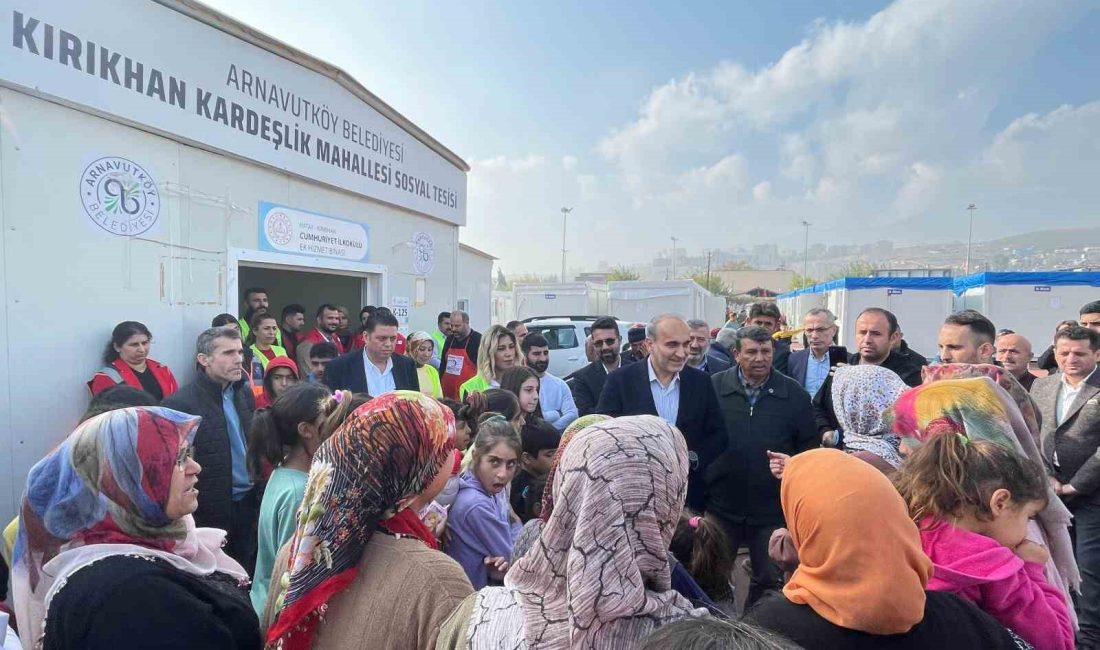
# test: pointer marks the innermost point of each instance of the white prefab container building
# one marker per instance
(503, 310)
(559, 299)
(807, 299)
(156, 158)
(920, 305)
(475, 286)
(1031, 304)
(786, 304)
(639, 301)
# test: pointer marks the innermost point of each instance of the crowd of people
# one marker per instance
(357, 488)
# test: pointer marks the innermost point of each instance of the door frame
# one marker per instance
(369, 273)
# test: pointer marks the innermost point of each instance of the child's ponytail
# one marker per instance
(702, 547)
(951, 474)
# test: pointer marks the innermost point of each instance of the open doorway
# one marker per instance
(309, 282)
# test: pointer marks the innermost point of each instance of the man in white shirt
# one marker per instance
(555, 399)
(1070, 407)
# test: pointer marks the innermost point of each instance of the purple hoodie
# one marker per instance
(991, 576)
(480, 528)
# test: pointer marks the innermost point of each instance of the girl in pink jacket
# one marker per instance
(972, 500)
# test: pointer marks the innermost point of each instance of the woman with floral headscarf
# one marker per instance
(860, 395)
(107, 551)
(599, 576)
(346, 581)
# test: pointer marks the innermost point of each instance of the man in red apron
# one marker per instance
(459, 354)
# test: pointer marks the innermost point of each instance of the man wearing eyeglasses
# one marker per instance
(810, 366)
(588, 381)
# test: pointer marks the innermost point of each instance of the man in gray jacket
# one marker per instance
(1070, 406)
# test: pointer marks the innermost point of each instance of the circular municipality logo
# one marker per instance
(423, 253)
(120, 196)
(279, 228)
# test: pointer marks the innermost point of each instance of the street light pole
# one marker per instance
(969, 237)
(806, 254)
(674, 240)
(564, 215)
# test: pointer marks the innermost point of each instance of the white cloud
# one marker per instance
(859, 127)
(762, 192)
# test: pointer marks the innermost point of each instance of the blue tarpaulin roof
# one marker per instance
(959, 285)
(918, 284)
(1041, 278)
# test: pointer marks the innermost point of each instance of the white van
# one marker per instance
(566, 336)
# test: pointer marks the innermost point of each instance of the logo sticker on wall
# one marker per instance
(423, 247)
(120, 196)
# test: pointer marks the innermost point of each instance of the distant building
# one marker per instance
(740, 282)
(598, 277)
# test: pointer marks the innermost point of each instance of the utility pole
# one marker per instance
(806, 254)
(709, 253)
(674, 240)
(564, 215)
(969, 237)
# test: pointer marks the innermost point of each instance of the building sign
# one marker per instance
(200, 84)
(119, 196)
(1043, 289)
(550, 296)
(893, 292)
(289, 230)
(423, 248)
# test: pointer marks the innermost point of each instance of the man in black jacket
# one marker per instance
(220, 395)
(587, 383)
(664, 386)
(876, 333)
(375, 369)
(764, 410)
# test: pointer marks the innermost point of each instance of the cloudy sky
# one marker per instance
(726, 124)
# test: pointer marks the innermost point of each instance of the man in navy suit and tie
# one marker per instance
(663, 385)
(375, 369)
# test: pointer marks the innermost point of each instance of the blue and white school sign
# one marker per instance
(299, 232)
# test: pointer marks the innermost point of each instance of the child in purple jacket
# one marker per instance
(972, 500)
(483, 527)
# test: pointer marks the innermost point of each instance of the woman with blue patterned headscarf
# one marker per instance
(106, 531)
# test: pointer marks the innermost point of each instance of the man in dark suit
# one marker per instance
(375, 369)
(877, 331)
(699, 352)
(664, 386)
(587, 383)
(1069, 403)
(810, 366)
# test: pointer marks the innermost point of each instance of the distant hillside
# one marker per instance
(1050, 239)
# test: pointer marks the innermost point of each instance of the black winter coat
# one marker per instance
(740, 487)
(203, 397)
